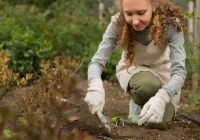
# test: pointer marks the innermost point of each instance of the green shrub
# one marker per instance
(192, 64)
(110, 68)
(25, 48)
(72, 29)
(39, 3)
(195, 98)
(9, 79)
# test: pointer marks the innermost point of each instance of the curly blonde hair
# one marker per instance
(165, 14)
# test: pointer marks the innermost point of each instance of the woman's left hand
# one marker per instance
(153, 110)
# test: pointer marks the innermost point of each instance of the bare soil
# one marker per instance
(117, 106)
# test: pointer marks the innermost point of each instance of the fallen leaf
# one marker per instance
(73, 118)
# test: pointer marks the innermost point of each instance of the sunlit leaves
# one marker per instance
(191, 15)
(9, 79)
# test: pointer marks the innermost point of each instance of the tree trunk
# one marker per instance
(190, 21)
(196, 46)
(101, 12)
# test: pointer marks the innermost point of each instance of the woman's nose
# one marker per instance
(135, 21)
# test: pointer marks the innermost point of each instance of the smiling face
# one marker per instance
(138, 13)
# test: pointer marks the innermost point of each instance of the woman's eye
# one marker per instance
(141, 13)
(128, 14)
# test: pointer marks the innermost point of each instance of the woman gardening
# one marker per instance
(152, 66)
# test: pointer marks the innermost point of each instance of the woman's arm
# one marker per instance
(153, 110)
(95, 96)
(104, 51)
(177, 57)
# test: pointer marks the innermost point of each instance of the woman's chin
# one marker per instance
(139, 28)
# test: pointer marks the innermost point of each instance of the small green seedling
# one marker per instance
(117, 120)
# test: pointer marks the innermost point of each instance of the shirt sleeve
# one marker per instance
(104, 51)
(177, 57)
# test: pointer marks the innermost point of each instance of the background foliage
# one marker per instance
(64, 29)
(32, 30)
(35, 30)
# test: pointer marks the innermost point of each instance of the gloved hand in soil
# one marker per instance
(153, 110)
(95, 96)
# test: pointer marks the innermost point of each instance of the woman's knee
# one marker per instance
(160, 126)
(143, 86)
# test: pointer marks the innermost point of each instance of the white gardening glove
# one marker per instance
(153, 110)
(95, 96)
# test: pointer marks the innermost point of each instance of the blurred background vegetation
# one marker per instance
(32, 34)
(33, 30)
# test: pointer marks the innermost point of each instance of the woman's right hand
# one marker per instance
(95, 96)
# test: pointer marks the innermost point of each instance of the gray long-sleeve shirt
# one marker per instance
(177, 55)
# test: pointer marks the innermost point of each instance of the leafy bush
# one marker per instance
(195, 98)
(25, 48)
(40, 3)
(9, 79)
(42, 112)
(192, 64)
(110, 68)
(69, 26)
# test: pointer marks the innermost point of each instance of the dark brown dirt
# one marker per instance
(117, 105)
